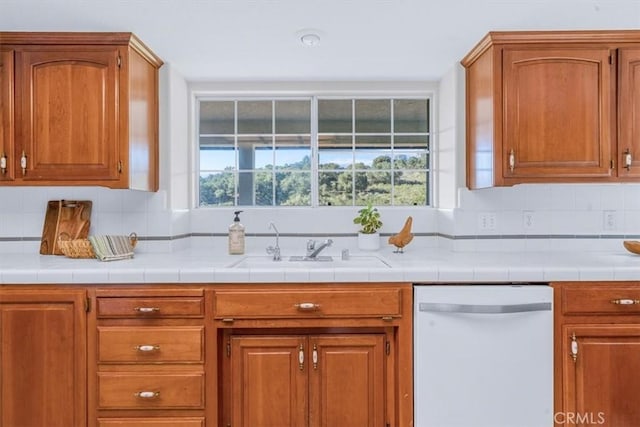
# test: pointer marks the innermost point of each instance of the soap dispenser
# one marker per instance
(236, 236)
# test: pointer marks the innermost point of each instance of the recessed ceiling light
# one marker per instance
(310, 39)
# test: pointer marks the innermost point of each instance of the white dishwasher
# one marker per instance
(483, 355)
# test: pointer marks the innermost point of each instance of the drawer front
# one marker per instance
(145, 308)
(148, 344)
(606, 300)
(150, 390)
(319, 303)
(151, 422)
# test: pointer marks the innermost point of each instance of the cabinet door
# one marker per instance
(601, 386)
(43, 358)
(629, 113)
(269, 381)
(68, 106)
(558, 113)
(6, 115)
(347, 380)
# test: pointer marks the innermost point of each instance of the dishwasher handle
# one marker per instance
(435, 307)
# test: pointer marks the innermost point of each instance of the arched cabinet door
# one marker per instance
(558, 112)
(69, 113)
(629, 113)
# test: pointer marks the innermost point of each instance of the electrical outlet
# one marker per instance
(487, 221)
(528, 220)
(609, 221)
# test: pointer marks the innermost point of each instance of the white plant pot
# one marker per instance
(369, 242)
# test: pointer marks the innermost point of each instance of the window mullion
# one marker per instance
(315, 152)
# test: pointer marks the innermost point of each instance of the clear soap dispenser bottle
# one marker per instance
(236, 236)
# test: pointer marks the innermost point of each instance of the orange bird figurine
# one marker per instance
(403, 238)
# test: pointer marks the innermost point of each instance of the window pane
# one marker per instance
(293, 153)
(217, 117)
(255, 152)
(254, 117)
(380, 159)
(420, 142)
(410, 116)
(335, 189)
(217, 189)
(410, 188)
(263, 186)
(411, 160)
(335, 159)
(217, 159)
(293, 117)
(334, 116)
(373, 116)
(373, 187)
(293, 188)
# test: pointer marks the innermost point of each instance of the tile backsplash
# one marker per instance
(531, 216)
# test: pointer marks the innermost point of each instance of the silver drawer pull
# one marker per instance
(147, 394)
(625, 301)
(147, 348)
(147, 309)
(307, 306)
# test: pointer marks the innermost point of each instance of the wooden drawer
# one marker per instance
(150, 307)
(149, 344)
(313, 303)
(603, 299)
(118, 390)
(151, 422)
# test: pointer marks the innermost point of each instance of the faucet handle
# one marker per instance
(311, 244)
(275, 252)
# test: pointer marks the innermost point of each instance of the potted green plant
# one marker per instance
(369, 220)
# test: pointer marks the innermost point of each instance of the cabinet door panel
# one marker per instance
(269, 384)
(629, 112)
(602, 383)
(558, 113)
(42, 359)
(347, 382)
(69, 113)
(6, 115)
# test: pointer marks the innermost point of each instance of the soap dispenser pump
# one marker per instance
(236, 236)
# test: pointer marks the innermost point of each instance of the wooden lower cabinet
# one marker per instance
(314, 355)
(43, 358)
(317, 380)
(149, 368)
(603, 382)
(597, 354)
(213, 355)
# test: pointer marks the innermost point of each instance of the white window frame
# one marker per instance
(318, 90)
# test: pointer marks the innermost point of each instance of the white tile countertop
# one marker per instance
(418, 264)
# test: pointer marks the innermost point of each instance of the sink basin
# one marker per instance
(265, 262)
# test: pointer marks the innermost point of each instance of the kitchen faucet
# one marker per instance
(274, 250)
(313, 251)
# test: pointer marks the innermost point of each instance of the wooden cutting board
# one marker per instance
(68, 218)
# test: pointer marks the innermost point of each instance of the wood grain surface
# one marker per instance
(69, 219)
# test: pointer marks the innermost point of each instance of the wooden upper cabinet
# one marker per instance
(557, 112)
(629, 112)
(548, 106)
(6, 114)
(69, 126)
(86, 110)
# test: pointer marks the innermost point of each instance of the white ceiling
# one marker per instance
(258, 40)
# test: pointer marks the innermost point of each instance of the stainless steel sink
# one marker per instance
(267, 262)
